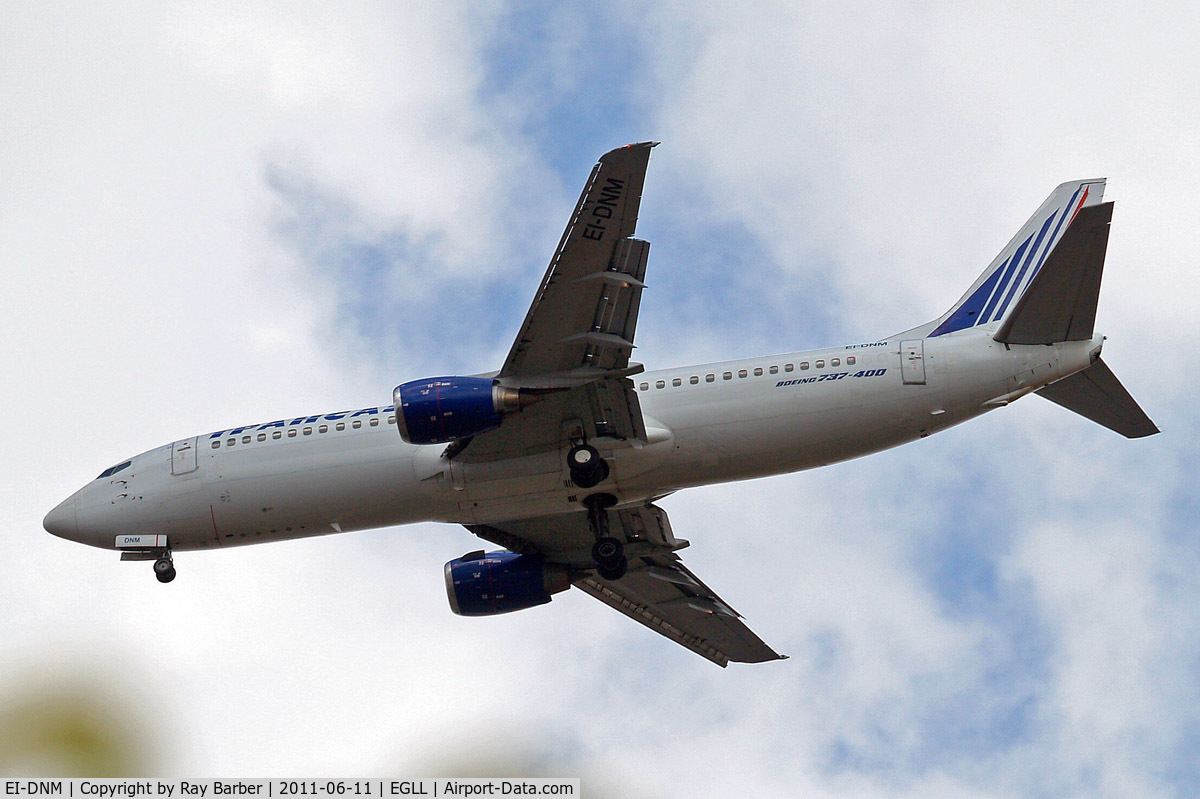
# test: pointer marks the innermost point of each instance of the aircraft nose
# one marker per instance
(61, 521)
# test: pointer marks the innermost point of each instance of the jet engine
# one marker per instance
(438, 410)
(484, 584)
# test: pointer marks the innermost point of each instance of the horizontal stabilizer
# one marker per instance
(1060, 302)
(1097, 394)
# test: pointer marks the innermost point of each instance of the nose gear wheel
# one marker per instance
(164, 568)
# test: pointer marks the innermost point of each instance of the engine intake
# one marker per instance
(484, 584)
(438, 410)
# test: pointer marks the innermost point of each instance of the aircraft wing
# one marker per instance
(576, 339)
(581, 322)
(657, 591)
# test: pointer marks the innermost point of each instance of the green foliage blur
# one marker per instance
(67, 725)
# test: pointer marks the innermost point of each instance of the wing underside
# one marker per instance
(664, 595)
(581, 321)
(657, 591)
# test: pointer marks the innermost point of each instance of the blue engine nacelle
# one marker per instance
(484, 584)
(437, 410)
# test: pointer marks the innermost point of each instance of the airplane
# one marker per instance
(561, 456)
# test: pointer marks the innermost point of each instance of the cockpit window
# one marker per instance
(111, 470)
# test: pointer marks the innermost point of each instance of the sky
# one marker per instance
(215, 214)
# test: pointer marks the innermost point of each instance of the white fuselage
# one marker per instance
(706, 424)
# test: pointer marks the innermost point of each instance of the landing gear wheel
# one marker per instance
(613, 573)
(582, 457)
(164, 570)
(586, 465)
(608, 552)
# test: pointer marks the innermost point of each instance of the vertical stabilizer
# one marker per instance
(993, 294)
(1059, 303)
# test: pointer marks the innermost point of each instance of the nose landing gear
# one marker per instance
(149, 547)
(608, 552)
(164, 568)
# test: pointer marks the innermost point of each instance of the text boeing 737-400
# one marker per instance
(560, 455)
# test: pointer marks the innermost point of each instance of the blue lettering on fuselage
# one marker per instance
(333, 417)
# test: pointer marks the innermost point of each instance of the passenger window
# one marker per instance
(727, 375)
(758, 372)
(660, 384)
(231, 442)
(644, 387)
(323, 428)
(820, 364)
(374, 421)
(742, 373)
(292, 433)
(216, 445)
(803, 366)
(357, 423)
(787, 367)
(308, 431)
(245, 439)
(850, 360)
(677, 382)
(774, 370)
(693, 380)
(835, 362)
(341, 425)
(391, 420)
(262, 436)
(277, 435)
(709, 378)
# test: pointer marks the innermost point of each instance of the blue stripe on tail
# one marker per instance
(1017, 282)
(967, 314)
(1013, 264)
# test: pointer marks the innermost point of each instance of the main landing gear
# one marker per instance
(608, 552)
(164, 568)
(588, 469)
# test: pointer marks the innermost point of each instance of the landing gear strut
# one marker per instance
(608, 552)
(164, 568)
